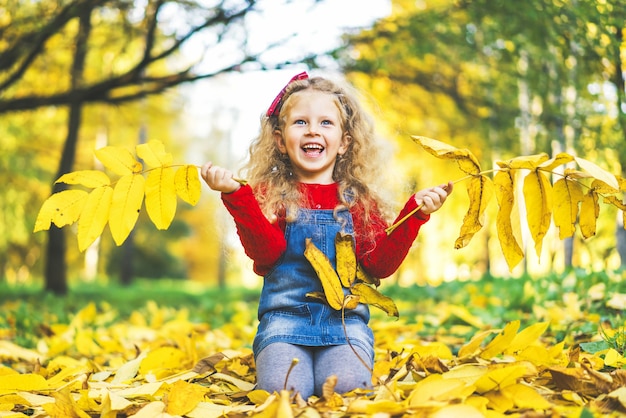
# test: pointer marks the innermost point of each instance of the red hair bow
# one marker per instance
(276, 104)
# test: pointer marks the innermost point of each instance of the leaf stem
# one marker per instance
(414, 211)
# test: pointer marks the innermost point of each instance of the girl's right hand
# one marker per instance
(219, 179)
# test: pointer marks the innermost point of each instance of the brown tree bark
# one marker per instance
(56, 268)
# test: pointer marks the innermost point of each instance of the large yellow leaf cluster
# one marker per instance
(120, 203)
(573, 198)
(349, 285)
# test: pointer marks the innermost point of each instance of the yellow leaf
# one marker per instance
(326, 273)
(524, 397)
(153, 154)
(480, 190)
(112, 404)
(154, 409)
(95, 216)
(472, 347)
(239, 384)
(499, 402)
(64, 406)
(589, 212)
(560, 159)
(346, 258)
(567, 194)
(62, 208)
(371, 296)
(125, 206)
(365, 277)
(258, 396)
(87, 178)
(499, 377)
(162, 358)
(184, 397)
(613, 358)
(434, 388)
(118, 160)
(468, 373)
(507, 219)
(467, 162)
(25, 382)
(459, 410)
(161, 197)
(528, 162)
(351, 301)
(598, 172)
(526, 337)
(366, 407)
(538, 199)
(187, 183)
(501, 341)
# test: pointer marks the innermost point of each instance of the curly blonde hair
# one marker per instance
(357, 171)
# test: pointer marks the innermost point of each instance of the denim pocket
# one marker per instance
(283, 319)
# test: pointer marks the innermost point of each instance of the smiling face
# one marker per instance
(312, 136)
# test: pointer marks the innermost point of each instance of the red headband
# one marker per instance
(276, 104)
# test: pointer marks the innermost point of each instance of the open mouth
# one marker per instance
(313, 149)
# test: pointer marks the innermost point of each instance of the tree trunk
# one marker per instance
(127, 272)
(56, 266)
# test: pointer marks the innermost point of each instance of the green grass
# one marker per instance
(494, 301)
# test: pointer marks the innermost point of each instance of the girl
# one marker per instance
(311, 174)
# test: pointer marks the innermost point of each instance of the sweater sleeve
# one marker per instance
(386, 253)
(262, 241)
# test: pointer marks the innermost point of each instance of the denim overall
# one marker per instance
(286, 314)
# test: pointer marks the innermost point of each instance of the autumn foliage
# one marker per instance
(119, 203)
(572, 199)
(160, 362)
(153, 367)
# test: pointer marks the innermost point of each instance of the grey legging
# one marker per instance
(314, 366)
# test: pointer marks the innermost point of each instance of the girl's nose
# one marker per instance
(312, 129)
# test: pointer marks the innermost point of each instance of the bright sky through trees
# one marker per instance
(233, 103)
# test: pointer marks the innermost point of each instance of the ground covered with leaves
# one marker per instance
(526, 347)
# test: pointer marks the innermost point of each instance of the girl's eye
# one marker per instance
(326, 122)
(300, 122)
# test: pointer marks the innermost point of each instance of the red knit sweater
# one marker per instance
(264, 242)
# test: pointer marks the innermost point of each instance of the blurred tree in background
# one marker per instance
(64, 62)
(502, 79)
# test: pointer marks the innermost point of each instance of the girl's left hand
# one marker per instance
(433, 198)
